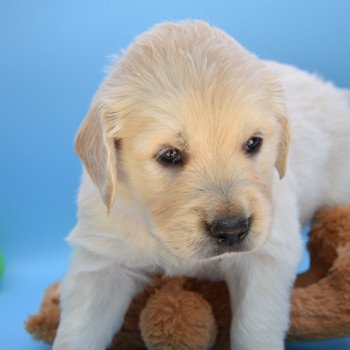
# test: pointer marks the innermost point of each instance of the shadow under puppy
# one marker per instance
(185, 153)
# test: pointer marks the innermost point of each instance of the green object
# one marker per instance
(2, 265)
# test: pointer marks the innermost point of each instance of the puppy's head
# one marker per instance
(192, 125)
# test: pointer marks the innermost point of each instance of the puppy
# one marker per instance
(185, 149)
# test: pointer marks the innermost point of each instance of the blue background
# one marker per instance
(53, 55)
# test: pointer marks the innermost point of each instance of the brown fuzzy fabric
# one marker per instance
(176, 318)
(321, 301)
(43, 325)
(184, 313)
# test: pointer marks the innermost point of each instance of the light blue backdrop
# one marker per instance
(52, 58)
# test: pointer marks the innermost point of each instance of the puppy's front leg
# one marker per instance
(260, 301)
(260, 284)
(95, 296)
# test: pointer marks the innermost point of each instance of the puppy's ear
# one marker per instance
(98, 152)
(282, 156)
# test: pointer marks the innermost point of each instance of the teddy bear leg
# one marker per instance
(177, 319)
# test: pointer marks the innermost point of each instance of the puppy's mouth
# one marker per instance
(239, 245)
(223, 245)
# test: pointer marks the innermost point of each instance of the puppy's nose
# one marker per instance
(230, 230)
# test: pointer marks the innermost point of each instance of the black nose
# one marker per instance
(230, 230)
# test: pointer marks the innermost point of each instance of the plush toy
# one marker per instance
(185, 313)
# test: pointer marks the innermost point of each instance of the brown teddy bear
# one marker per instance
(185, 313)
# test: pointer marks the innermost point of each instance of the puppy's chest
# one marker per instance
(211, 270)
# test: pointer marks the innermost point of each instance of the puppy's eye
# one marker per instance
(171, 156)
(253, 145)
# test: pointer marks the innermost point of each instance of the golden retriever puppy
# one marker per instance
(185, 150)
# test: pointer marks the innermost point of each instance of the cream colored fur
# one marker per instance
(190, 86)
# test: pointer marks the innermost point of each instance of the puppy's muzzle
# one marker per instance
(229, 231)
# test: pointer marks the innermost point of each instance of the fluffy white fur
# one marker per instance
(114, 251)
